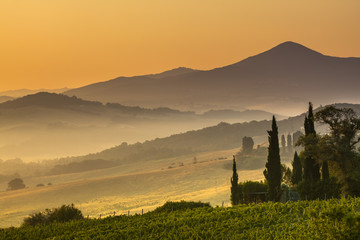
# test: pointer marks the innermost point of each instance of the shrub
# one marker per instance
(323, 189)
(65, 213)
(182, 205)
(251, 191)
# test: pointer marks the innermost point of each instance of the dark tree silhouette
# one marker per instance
(289, 143)
(65, 213)
(247, 144)
(235, 195)
(344, 125)
(325, 170)
(15, 184)
(272, 171)
(311, 166)
(296, 135)
(297, 170)
(283, 143)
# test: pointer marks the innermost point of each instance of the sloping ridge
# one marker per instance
(287, 71)
(48, 100)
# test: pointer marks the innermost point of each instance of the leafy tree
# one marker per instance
(344, 125)
(272, 171)
(247, 144)
(297, 170)
(16, 184)
(286, 174)
(296, 136)
(235, 195)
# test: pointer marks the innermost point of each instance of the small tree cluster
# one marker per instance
(64, 213)
(316, 181)
(247, 144)
(16, 184)
(340, 145)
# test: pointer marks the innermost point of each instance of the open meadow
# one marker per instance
(130, 187)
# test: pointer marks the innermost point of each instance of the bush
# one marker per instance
(182, 205)
(65, 213)
(323, 189)
(251, 191)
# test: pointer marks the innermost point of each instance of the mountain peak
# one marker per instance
(290, 48)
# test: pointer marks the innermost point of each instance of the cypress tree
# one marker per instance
(297, 170)
(311, 167)
(235, 194)
(272, 171)
(283, 143)
(289, 143)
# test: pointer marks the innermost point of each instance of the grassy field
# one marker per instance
(130, 187)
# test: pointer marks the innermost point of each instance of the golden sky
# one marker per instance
(71, 43)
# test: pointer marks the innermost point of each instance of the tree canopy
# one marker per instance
(16, 184)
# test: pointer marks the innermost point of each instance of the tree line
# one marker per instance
(328, 165)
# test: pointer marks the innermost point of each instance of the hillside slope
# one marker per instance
(66, 126)
(131, 186)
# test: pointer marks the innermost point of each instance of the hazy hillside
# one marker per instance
(143, 175)
(220, 137)
(283, 79)
(48, 125)
(23, 92)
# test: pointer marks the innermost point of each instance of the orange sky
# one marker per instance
(71, 43)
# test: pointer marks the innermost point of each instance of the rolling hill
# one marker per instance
(283, 79)
(67, 126)
(146, 174)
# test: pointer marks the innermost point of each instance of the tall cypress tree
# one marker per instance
(272, 171)
(235, 193)
(297, 170)
(311, 167)
(283, 143)
(289, 143)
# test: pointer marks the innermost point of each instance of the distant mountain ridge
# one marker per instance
(285, 77)
(59, 101)
(173, 72)
(23, 92)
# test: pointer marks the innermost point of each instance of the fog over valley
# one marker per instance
(133, 143)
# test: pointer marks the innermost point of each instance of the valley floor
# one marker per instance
(130, 187)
